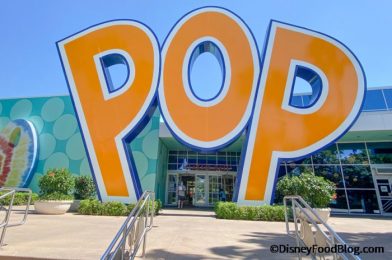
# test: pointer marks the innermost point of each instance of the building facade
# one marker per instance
(359, 163)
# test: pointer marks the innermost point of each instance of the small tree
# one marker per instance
(84, 188)
(56, 184)
(315, 190)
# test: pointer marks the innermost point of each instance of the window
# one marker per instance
(332, 173)
(189, 160)
(358, 176)
(388, 97)
(307, 100)
(340, 203)
(296, 170)
(363, 201)
(374, 100)
(380, 152)
(296, 101)
(353, 153)
(328, 155)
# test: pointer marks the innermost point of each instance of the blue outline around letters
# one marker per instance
(109, 82)
(231, 141)
(139, 126)
(152, 106)
(316, 93)
(280, 160)
(221, 63)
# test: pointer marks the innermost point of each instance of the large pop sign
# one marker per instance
(252, 99)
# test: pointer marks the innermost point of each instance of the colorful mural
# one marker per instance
(18, 153)
(60, 143)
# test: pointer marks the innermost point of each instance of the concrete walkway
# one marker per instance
(177, 234)
(189, 234)
(68, 236)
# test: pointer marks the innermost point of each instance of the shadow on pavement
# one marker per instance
(258, 247)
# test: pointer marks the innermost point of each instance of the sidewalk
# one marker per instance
(68, 236)
(178, 234)
(188, 234)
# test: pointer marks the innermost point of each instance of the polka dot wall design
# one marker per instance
(60, 140)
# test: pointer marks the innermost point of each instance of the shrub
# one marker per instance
(58, 181)
(227, 210)
(90, 207)
(84, 188)
(19, 199)
(114, 208)
(230, 210)
(270, 213)
(315, 190)
(157, 206)
(130, 207)
(56, 196)
(248, 213)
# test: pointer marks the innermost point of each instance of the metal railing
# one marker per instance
(10, 191)
(323, 234)
(133, 232)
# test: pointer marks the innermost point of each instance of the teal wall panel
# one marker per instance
(160, 183)
(60, 139)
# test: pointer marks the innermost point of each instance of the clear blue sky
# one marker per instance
(30, 66)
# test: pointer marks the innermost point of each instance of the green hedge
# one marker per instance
(230, 210)
(113, 208)
(315, 190)
(19, 199)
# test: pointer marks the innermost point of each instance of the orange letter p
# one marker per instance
(110, 116)
(281, 130)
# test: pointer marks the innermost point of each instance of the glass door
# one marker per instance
(200, 190)
(228, 186)
(215, 183)
(384, 185)
(172, 182)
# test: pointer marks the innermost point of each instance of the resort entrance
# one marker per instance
(202, 188)
(383, 180)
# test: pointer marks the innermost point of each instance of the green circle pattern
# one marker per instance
(37, 122)
(3, 121)
(145, 131)
(142, 162)
(56, 160)
(34, 184)
(65, 127)
(21, 109)
(75, 148)
(85, 167)
(150, 145)
(47, 145)
(61, 143)
(52, 109)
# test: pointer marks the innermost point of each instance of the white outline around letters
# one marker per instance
(276, 155)
(118, 139)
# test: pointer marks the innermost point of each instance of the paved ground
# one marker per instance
(188, 235)
(68, 236)
(178, 234)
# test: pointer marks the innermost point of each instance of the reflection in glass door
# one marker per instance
(215, 183)
(172, 189)
(200, 187)
(228, 186)
(385, 190)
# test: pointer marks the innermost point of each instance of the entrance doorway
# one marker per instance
(202, 188)
(383, 180)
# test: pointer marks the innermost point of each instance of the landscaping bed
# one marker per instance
(230, 210)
